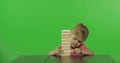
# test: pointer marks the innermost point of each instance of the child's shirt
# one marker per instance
(72, 53)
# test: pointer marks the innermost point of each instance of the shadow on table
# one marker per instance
(54, 59)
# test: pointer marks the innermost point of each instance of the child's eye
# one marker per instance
(74, 39)
(79, 41)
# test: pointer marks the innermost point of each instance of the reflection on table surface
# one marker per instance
(54, 59)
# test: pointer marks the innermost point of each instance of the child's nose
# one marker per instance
(76, 41)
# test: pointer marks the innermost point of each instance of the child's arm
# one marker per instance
(85, 50)
(55, 52)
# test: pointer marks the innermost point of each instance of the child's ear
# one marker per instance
(85, 32)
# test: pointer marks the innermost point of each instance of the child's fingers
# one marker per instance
(77, 50)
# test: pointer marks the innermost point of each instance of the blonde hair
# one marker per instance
(80, 31)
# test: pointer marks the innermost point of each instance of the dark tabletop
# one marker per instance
(54, 59)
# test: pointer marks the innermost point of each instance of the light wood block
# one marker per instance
(65, 42)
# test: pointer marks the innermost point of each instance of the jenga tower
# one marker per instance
(65, 44)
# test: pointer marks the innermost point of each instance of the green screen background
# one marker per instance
(33, 27)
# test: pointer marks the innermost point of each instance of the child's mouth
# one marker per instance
(74, 46)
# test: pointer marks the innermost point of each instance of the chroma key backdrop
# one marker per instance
(33, 27)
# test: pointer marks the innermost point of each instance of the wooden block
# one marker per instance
(66, 54)
(66, 31)
(66, 46)
(65, 42)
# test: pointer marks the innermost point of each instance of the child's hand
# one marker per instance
(54, 52)
(87, 52)
(59, 53)
(77, 51)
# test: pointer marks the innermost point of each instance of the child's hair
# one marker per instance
(80, 31)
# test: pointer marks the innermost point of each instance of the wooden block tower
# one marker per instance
(65, 42)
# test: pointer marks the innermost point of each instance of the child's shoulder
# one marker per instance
(83, 47)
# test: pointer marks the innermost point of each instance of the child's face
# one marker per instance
(75, 42)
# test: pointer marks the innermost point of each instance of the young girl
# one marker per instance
(78, 35)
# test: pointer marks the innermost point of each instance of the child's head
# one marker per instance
(79, 34)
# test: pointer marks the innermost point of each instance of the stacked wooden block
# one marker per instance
(65, 42)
